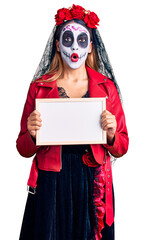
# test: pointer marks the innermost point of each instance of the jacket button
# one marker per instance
(106, 97)
(105, 79)
(41, 83)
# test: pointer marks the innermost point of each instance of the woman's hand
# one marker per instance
(34, 123)
(109, 124)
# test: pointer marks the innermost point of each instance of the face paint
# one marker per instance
(74, 44)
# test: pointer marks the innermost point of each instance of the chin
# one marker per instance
(74, 66)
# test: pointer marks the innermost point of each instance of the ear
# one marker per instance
(57, 45)
(90, 48)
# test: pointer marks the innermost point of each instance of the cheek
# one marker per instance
(88, 47)
(63, 48)
(84, 50)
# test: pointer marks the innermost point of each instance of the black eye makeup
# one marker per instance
(67, 39)
(82, 40)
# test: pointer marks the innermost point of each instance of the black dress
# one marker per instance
(62, 208)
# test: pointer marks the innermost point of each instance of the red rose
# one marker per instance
(91, 20)
(68, 15)
(62, 14)
(77, 12)
(89, 160)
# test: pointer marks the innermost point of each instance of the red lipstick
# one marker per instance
(74, 57)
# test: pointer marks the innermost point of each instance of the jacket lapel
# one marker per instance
(53, 93)
(95, 91)
(96, 79)
(45, 93)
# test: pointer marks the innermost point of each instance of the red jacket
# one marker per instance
(49, 157)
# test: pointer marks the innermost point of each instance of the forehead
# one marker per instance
(75, 28)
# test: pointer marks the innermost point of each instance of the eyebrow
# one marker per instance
(69, 27)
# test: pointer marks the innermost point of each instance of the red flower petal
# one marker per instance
(77, 12)
(91, 19)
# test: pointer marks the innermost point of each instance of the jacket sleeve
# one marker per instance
(121, 140)
(25, 143)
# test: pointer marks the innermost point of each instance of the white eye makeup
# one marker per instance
(74, 44)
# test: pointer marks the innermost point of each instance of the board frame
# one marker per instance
(40, 142)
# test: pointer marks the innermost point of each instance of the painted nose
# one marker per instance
(75, 46)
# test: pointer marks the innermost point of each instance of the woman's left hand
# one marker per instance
(109, 124)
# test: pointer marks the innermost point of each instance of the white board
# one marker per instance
(70, 121)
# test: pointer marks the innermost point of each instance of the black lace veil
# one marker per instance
(104, 65)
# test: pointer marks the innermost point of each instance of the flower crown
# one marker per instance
(78, 12)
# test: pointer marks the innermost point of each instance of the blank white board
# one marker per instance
(70, 121)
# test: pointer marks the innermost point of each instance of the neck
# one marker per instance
(75, 75)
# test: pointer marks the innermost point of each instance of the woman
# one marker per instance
(72, 184)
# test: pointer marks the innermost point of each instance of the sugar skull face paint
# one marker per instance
(74, 44)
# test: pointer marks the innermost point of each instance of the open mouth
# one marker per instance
(74, 57)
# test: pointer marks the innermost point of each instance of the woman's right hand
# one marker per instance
(34, 123)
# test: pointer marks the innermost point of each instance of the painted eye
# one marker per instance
(82, 40)
(67, 38)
